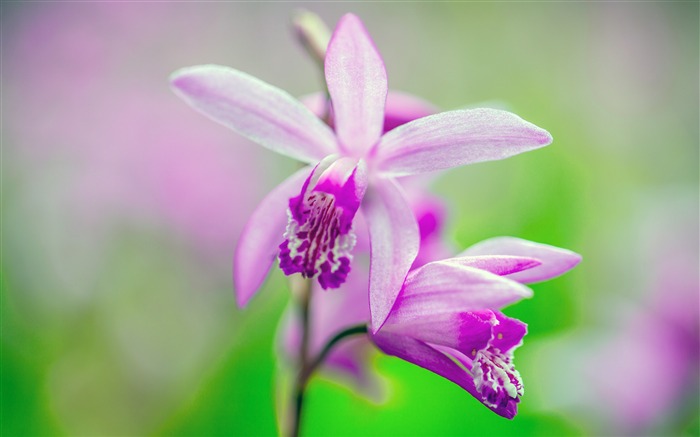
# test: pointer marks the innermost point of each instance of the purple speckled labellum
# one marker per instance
(319, 238)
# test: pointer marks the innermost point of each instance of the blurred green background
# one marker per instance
(121, 208)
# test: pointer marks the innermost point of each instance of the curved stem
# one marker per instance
(309, 367)
(348, 332)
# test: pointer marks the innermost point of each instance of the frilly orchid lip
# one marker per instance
(319, 239)
(357, 84)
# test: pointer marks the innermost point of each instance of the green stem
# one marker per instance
(348, 332)
(308, 369)
(300, 385)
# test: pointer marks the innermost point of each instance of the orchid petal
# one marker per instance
(444, 287)
(357, 84)
(258, 245)
(465, 331)
(508, 333)
(430, 213)
(350, 364)
(400, 108)
(403, 107)
(555, 261)
(455, 138)
(429, 358)
(498, 265)
(394, 241)
(259, 111)
(359, 225)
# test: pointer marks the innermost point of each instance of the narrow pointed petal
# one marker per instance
(257, 110)
(447, 288)
(500, 265)
(554, 260)
(394, 241)
(429, 358)
(258, 246)
(455, 138)
(357, 83)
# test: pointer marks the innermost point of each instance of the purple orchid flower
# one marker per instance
(349, 361)
(445, 319)
(355, 158)
(446, 316)
(332, 312)
(430, 212)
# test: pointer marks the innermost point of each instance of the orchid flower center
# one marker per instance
(318, 240)
(495, 377)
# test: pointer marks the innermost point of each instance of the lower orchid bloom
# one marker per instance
(446, 319)
(446, 316)
(357, 166)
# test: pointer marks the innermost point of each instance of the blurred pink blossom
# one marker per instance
(637, 369)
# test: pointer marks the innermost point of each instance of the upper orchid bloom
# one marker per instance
(332, 312)
(355, 158)
(430, 212)
(446, 317)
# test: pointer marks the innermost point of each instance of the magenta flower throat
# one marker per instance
(319, 237)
